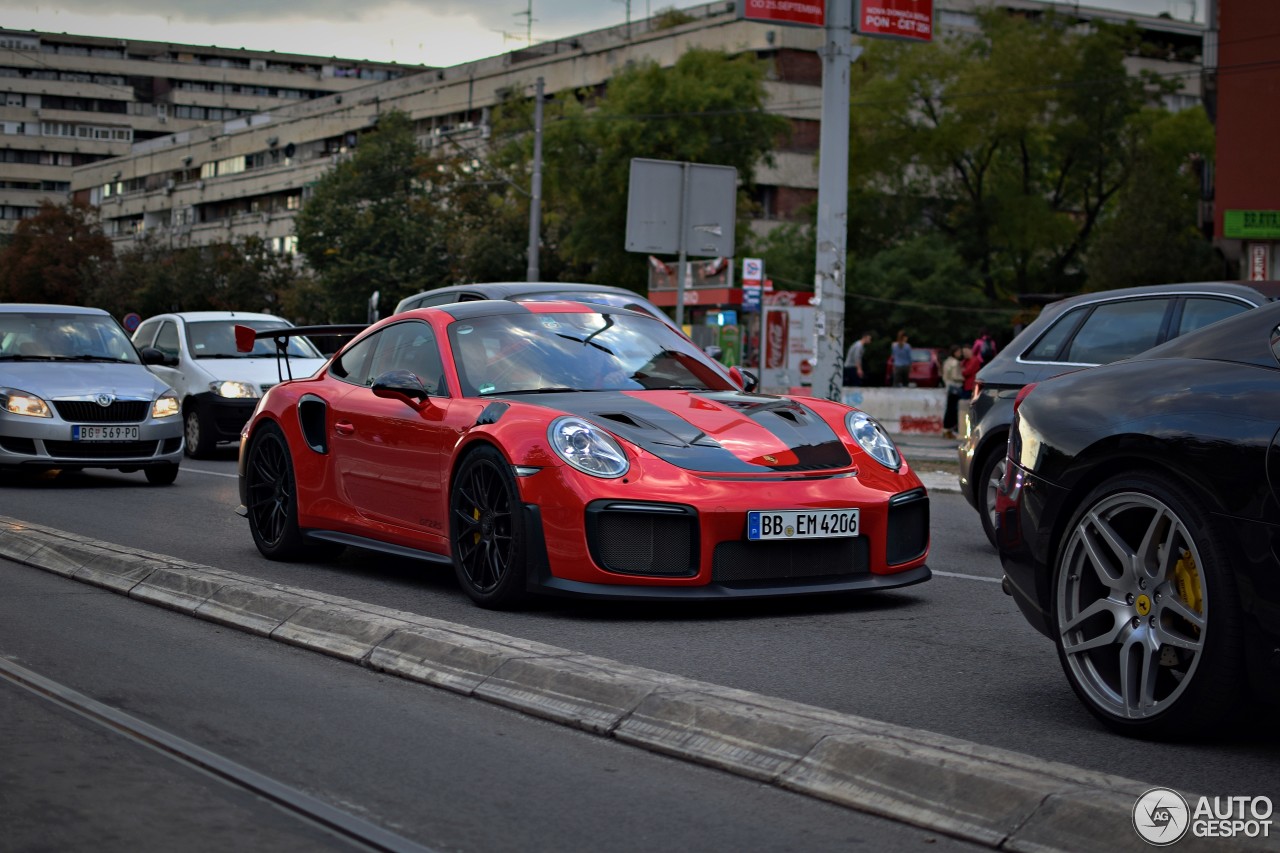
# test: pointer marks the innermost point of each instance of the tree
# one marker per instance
(708, 108)
(1013, 142)
(57, 256)
(370, 226)
(1151, 236)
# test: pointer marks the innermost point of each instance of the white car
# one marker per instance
(217, 385)
(74, 394)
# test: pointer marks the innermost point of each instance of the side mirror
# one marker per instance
(401, 385)
(151, 355)
(744, 379)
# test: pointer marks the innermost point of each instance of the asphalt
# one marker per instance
(995, 797)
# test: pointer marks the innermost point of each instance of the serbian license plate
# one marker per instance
(802, 523)
(104, 433)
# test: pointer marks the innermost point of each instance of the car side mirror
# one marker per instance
(151, 355)
(401, 385)
(744, 379)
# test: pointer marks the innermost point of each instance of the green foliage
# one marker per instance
(370, 225)
(1012, 143)
(669, 16)
(708, 108)
(1150, 237)
(244, 275)
(57, 256)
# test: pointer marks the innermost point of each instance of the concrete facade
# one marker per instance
(66, 101)
(249, 175)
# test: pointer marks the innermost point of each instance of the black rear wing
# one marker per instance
(246, 336)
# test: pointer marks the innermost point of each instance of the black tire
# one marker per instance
(985, 487)
(1145, 614)
(199, 441)
(272, 501)
(486, 526)
(161, 475)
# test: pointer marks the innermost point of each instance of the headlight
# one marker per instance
(165, 406)
(587, 447)
(231, 388)
(17, 402)
(872, 438)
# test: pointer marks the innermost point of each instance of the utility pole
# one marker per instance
(838, 54)
(535, 194)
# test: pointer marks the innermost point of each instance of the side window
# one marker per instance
(1050, 343)
(1118, 330)
(146, 334)
(167, 339)
(1200, 311)
(352, 364)
(410, 346)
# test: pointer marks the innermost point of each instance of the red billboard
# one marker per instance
(903, 19)
(806, 13)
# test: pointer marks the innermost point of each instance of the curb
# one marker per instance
(994, 797)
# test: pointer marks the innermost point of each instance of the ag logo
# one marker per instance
(1161, 816)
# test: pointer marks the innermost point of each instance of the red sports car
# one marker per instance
(575, 449)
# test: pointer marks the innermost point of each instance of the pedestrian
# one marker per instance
(972, 363)
(953, 379)
(900, 357)
(984, 346)
(853, 374)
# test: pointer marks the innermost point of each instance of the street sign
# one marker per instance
(805, 13)
(668, 200)
(131, 322)
(902, 19)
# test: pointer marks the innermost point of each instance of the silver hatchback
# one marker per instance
(74, 393)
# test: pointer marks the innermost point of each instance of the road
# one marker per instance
(951, 656)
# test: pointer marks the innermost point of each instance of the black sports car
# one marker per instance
(1139, 525)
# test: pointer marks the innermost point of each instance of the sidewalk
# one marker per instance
(926, 453)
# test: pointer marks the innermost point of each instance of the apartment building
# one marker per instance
(68, 101)
(248, 175)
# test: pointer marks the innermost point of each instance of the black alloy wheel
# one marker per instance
(986, 487)
(487, 530)
(271, 495)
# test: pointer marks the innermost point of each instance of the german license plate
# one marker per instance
(802, 523)
(104, 433)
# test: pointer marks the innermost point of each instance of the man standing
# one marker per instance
(853, 360)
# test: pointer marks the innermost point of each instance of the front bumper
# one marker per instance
(46, 443)
(225, 417)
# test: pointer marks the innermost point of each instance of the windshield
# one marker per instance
(529, 353)
(217, 339)
(37, 336)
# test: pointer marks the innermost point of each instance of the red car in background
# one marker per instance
(926, 368)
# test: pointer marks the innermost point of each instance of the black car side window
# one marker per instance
(351, 365)
(1118, 330)
(1050, 343)
(410, 346)
(167, 339)
(1200, 311)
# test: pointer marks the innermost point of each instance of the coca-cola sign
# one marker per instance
(778, 337)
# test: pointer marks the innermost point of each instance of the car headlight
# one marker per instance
(17, 402)
(236, 390)
(587, 447)
(165, 406)
(872, 438)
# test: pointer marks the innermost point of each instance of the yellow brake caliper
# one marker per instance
(475, 537)
(1186, 577)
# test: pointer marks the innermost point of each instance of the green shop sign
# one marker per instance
(1251, 224)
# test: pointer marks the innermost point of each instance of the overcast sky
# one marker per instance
(429, 32)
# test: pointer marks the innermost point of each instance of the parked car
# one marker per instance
(925, 370)
(74, 394)
(216, 385)
(1137, 524)
(1075, 333)
(573, 449)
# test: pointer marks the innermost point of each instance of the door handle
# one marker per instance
(344, 428)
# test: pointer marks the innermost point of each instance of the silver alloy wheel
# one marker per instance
(1130, 640)
(191, 426)
(991, 489)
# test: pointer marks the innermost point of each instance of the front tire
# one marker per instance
(1146, 618)
(200, 442)
(486, 525)
(987, 487)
